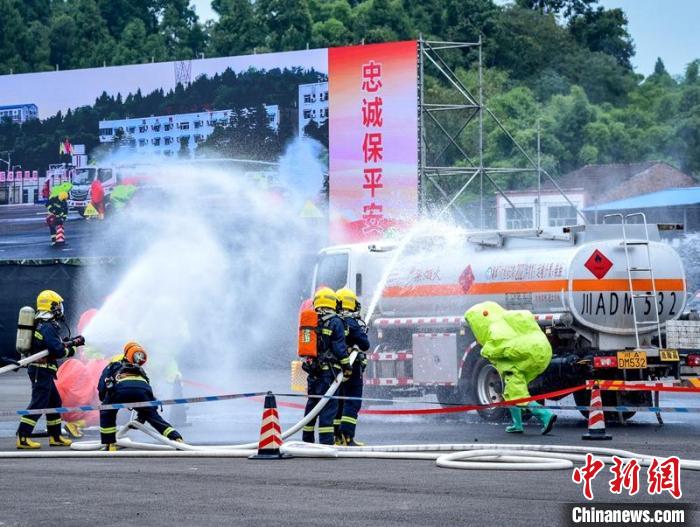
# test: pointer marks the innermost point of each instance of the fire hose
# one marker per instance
(95, 445)
(469, 456)
(24, 362)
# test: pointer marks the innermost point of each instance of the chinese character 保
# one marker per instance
(372, 112)
(371, 76)
(372, 147)
(373, 177)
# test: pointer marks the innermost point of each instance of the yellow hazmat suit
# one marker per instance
(516, 346)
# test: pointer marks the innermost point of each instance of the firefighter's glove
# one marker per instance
(347, 372)
(70, 351)
(78, 341)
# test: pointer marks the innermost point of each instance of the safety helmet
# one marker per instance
(63, 195)
(347, 298)
(135, 354)
(49, 302)
(325, 297)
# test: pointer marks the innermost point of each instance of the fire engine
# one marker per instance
(604, 295)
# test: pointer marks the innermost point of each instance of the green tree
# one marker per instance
(238, 31)
(285, 23)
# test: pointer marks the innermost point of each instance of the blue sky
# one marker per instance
(660, 28)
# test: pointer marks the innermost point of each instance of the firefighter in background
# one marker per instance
(42, 373)
(516, 346)
(125, 381)
(328, 357)
(56, 215)
(355, 335)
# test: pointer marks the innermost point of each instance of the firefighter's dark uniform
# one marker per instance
(57, 213)
(123, 382)
(355, 335)
(332, 357)
(42, 373)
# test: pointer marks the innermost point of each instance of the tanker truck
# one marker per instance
(602, 295)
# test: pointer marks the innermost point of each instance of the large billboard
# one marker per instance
(373, 92)
(329, 134)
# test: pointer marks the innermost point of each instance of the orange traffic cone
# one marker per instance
(60, 237)
(596, 417)
(270, 432)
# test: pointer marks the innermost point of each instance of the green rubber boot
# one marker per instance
(516, 414)
(544, 416)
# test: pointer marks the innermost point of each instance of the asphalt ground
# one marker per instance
(24, 234)
(323, 492)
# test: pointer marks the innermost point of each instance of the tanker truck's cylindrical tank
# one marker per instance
(590, 280)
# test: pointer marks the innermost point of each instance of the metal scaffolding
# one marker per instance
(471, 112)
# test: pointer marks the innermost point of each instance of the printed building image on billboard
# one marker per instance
(328, 135)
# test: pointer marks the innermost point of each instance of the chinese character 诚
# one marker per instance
(665, 476)
(372, 147)
(372, 112)
(626, 476)
(373, 177)
(586, 474)
(371, 76)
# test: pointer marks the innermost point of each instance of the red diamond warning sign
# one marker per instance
(466, 279)
(598, 264)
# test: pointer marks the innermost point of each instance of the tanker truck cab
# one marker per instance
(82, 178)
(603, 298)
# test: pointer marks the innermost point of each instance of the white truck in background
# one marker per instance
(608, 299)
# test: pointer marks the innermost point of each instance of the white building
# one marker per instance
(19, 113)
(555, 211)
(313, 104)
(163, 134)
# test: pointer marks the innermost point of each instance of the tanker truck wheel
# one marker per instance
(483, 385)
(583, 398)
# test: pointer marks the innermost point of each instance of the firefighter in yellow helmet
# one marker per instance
(331, 358)
(125, 381)
(56, 216)
(42, 373)
(355, 336)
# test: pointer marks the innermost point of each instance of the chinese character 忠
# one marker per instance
(372, 112)
(372, 147)
(626, 476)
(586, 474)
(371, 76)
(665, 476)
(373, 176)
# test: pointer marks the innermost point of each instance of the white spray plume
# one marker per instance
(217, 265)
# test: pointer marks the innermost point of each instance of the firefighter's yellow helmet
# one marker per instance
(48, 300)
(347, 298)
(325, 297)
(63, 195)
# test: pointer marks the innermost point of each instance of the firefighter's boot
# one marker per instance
(516, 414)
(544, 416)
(60, 441)
(110, 447)
(74, 430)
(351, 441)
(24, 443)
